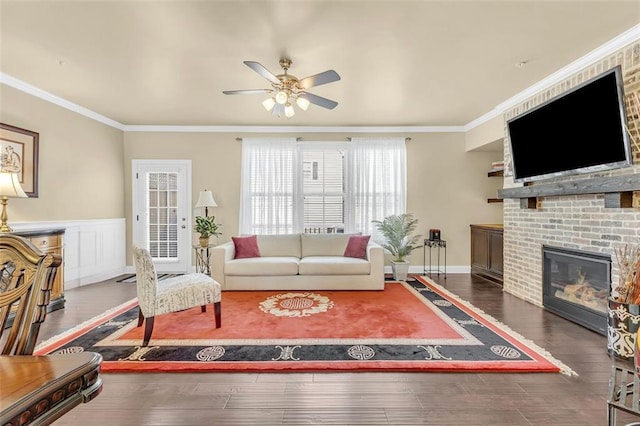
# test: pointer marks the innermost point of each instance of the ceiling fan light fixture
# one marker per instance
(268, 103)
(303, 103)
(288, 110)
(282, 97)
(278, 109)
(287, 90)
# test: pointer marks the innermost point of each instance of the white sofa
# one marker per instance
(299, 262)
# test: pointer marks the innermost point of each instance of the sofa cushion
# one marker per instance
(323, 244)
(287, 245)
(357, 246)
(257, 266)
(245, 247)
(333, 265)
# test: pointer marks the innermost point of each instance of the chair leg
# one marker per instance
(140, 316)
(204, 308)
(217, 309)
(148, 328)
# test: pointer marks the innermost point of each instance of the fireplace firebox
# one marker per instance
(576, 285)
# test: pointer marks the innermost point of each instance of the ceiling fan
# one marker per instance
(287, 89)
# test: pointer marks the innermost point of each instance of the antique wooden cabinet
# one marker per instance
(486, 251)
(50, 240)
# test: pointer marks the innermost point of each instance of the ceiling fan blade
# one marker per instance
(246, 92)
(319, 100)
(319, 79)
(257, 67)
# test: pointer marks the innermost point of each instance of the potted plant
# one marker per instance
(206, 227)
(397, 230)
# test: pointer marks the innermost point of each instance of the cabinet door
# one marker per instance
(479, 248)
(495, 256)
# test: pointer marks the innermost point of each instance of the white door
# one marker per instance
(161, 200)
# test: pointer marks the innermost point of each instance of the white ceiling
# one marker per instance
(402, 63)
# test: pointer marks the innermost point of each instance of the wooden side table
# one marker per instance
(203, 258)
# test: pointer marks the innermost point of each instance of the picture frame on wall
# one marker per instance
(19, 154)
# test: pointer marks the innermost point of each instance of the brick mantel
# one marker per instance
(579, 221)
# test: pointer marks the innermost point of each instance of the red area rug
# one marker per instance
(415, 326)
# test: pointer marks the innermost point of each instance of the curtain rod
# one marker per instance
(299, 139)
(406, 139)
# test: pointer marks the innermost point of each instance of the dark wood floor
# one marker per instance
(360, 398)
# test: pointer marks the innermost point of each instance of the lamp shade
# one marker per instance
(10, 186)
(206, 199)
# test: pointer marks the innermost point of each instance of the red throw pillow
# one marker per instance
(246, 247)
(357, 246)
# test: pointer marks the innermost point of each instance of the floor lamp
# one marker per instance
(9, 188)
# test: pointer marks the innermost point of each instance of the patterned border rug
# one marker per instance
(414, 326)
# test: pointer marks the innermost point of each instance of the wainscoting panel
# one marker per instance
(94, 250)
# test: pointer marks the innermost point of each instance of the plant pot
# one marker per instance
(623, 321)
(400, 270)
(204, 241)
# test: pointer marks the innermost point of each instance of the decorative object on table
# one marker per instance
(623, 311)
(205, 225)
(397, 230)
(434, 235)
(286, 90)
(19, 154)
(9, 188)
(207, 228)
(206, 200)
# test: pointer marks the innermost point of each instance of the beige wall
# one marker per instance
(447, 187)
(85, 172)
(81, 170)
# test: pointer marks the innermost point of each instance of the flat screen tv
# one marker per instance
(582, 130)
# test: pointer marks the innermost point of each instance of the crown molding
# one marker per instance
(295, 129)
(49, 97)
(622, 40)
(618, 42)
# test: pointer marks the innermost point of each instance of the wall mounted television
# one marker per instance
(582, 130)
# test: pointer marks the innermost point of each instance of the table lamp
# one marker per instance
(206, 200)
(9, 188)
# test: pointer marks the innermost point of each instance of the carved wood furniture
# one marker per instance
(40, 389)
(26, 278)
(172, 294)
(50, 241)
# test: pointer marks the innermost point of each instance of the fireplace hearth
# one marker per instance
(576, 285)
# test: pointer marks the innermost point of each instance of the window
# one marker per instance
(290, 186)
(323, 187)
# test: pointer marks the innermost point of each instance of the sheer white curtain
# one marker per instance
(270, 186)
(376, 182)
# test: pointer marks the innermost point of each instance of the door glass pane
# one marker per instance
(162, 213)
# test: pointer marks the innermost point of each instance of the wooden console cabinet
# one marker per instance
(486, 251)
(50, 241)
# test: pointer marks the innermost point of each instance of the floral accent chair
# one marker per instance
(172, 294)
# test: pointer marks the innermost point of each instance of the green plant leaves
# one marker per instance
(397, 230)
(206, 226)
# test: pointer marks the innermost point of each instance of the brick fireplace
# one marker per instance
(574, 222)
